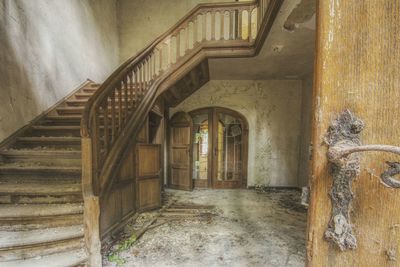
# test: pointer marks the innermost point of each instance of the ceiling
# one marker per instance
(288, 51)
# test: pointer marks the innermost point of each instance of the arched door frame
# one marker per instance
(212, 112)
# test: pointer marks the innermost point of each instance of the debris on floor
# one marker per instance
(215, 228)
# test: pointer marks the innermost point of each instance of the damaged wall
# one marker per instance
(273, 110)
(305, 141)
(49, 47)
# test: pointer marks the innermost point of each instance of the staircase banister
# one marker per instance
(102, 93)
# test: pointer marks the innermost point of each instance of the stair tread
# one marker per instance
(61, 259)
(40, 152)
(49, 138)
(64, 117)
(61, 127)
(10, 211)
(17, 167)
(9, 239)
(40, 188)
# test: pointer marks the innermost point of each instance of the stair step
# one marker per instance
(82, 102)
(34, 169)
(10, 239)
(90, 89)
(70, 110)
(41, 249)
(83, 95)
(95, 85)
(86, 95)
(59, 142)
(49, 188)
(54, 157)
(62, 156)
(10, 212)
(30, 223)
(40, 199)
(62, 120)
(61, 259)
(58, 130)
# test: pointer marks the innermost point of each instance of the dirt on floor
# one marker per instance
(243, 228)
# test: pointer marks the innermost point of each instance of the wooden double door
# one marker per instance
(208, 149)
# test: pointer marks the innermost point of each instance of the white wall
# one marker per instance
(273, 111)
(47, 48)
(141, 21)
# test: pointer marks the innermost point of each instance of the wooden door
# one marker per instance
(357, 68)
(148, 176)
(180, 157)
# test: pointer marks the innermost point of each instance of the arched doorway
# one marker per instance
(219, 148)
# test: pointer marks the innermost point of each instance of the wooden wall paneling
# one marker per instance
(148, 178)
(143, 136)
(357, 68)
(121, 202)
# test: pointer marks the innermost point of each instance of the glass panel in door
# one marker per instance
(200, 150)
(229, 151)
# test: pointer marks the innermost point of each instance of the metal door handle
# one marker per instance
(344, 158)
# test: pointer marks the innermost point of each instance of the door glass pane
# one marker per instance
(229, 148)
(200, 147)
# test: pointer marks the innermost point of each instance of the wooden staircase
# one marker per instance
(41, 211)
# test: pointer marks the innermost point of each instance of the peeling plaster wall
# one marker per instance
(47, 48)
(306, 116)
(273, 110)
(141, 21)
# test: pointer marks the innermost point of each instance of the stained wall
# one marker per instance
(273, 111)
(141, 21)
(47, 48)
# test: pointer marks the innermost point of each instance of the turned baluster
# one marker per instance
(106, 127)
(239, 25)
(119, 90)
(187, 31)
(249, 25)
(130, 98)
(222, 25)
(135, 89)
(204, 27)
(213, 25)
(195, 26)
(125, 102)
(231, 25)
(96, 146)
(154, 65)
(142, 83)
(113, 119)
(178, 46)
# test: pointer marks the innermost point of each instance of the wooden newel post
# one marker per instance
(91, 200)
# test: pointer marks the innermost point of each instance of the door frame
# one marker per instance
(212, 112)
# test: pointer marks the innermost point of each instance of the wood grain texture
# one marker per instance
(357, 67)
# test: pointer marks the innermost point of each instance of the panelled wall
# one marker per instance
(139, 181)
(273, 109)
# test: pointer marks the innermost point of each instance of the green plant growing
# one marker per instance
(125, 245)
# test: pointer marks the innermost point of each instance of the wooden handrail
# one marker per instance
(114, 114)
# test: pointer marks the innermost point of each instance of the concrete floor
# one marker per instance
(249, 228)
